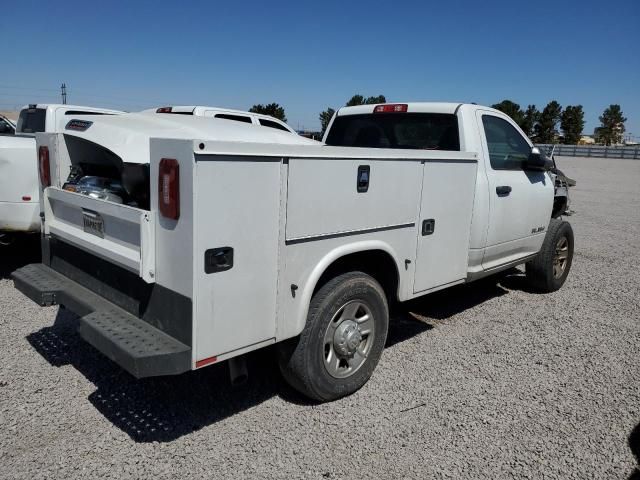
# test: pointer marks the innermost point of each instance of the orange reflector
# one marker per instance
(206, 361)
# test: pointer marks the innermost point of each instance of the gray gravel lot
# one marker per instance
(481, 381)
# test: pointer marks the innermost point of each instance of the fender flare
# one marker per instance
(306, 290)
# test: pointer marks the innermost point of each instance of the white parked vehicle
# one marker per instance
(7, 126)
(19, 191)
(225, 114)
(253, 237)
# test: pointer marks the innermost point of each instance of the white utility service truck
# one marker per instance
(19, 191)
(241, 237)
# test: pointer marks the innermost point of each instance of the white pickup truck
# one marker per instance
(253, 237)
(224, 114)
(19, 191)
(7, 126)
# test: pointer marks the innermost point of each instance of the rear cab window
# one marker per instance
(420, 131)
(32, 120)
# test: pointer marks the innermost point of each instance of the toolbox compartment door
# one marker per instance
(442, 257)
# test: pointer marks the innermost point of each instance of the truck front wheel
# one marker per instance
(342, 341)
(548, 271)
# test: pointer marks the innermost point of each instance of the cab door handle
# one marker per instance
(503, 190)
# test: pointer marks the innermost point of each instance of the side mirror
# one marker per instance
(538, 160)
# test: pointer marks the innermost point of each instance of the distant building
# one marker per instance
(587, 140)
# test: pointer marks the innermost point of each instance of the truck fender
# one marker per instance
(305, 291)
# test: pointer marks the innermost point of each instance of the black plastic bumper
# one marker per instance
(138, 347)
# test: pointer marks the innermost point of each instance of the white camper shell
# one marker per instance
(254, 237)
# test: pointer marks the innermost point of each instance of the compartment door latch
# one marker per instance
(428, 226)
(218, 259)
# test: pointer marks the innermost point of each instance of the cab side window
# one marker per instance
(508, 150)
(268, 123)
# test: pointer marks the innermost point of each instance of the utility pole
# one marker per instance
(63, 91)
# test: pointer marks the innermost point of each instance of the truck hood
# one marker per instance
(128, 135)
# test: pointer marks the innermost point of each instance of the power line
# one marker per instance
(12, 87)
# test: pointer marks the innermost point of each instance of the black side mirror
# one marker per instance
(538, 160)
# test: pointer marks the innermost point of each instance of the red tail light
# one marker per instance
(391, 108)
(44, 166)
(164, 110)
(169, 188)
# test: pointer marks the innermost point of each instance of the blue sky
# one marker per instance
(309, 56)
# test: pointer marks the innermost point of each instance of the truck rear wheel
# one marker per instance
(548, 271)
(342, 341)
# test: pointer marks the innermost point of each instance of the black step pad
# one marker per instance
(138, 347)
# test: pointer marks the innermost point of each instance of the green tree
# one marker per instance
(545, 130)
(529, 120)
(512, 109)
(272, 109)
(360, 100)
(325, 118)
(612, 126)
(572, 124)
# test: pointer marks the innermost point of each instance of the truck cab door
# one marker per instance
(520, 200)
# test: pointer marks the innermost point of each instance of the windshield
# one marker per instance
(424, 131)
(31, 120)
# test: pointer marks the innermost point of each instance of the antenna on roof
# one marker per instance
(63, 92)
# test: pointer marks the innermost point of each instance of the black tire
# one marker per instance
(540, 270)
(302, 359)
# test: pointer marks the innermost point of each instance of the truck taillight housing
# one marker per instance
(44, 166)
(169, 188)
(391, 108)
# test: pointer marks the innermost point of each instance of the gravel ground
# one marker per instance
(482, 381)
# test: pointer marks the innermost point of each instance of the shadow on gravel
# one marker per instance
(159, 409)
(446, 303)
(634, 445)
(25, 250)
(162, 409)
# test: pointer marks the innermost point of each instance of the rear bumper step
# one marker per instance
(138, 347)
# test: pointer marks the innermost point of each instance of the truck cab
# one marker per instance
(226, 114)
(512, 204)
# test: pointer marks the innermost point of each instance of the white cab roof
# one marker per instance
(84, 108)
(199, 110)
(415, 107)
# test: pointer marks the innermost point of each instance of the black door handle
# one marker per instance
(503, 190)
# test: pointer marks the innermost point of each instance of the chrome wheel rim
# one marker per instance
(348, 339)
(560, 257)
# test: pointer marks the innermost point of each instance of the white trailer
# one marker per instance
(254, 237)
